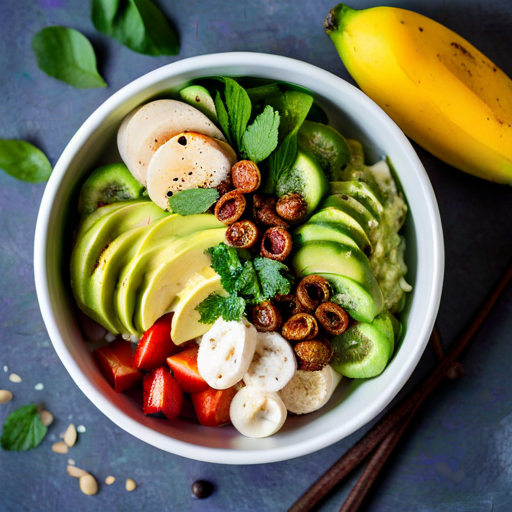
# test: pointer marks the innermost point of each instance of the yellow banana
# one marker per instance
(443, 93)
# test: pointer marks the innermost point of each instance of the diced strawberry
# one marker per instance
(162, 394)
(115, 364)
(156, 345)
(184, 368)
(212, 406)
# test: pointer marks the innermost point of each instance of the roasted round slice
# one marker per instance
(188, 160)
(148, 127)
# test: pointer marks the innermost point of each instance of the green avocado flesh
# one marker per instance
(351, 207)
(328, 146)
(305, 178)
(334, 258)
(199, 97)
(310, 232)
(108, 184)
(361, 191)
(127, 242)
(364, 349)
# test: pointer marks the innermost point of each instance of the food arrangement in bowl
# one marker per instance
(246, 251)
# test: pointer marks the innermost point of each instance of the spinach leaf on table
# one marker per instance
(24, 161)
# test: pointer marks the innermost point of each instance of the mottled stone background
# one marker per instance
(458, 452)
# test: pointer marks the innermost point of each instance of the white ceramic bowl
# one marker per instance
(354, 403)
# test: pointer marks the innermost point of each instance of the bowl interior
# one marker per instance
(354, 402)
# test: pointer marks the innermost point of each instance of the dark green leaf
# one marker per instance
(23, 429)
(138, 24)
(193, 200)
(222, 115)
(260, 138)
(226, 263)
(263, 92)
(214, 306)
(275, 277)
(239, 110)
(24, 161)
(67, 55)
(317, 114)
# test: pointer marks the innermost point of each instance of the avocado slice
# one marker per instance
(323, 232)
(87, 253)
(87, 222)
(364, 349)
(353, 298)
(305, 178)
(108, 184)
(361, 191)
(328, 146)
(185, 322)
(353, 208)
(161, 286)
(200, 98)
(160, 243)
(335, 258)
(332, 215)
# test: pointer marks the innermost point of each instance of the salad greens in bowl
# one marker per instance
(239, 258)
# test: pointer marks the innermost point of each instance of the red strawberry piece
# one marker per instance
(162, 394)
(212, 406)
(115, 364)
(156, 345)
(184, 368)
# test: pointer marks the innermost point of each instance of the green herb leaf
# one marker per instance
(67, 55)
(193, 200)
(138, 24)
(248, 284)
(293, 107)
(239, 110)
(226, 262)
(263, 92)
(274, 276)
(222, 115)
(23, 429)
(260, 138)
(214, 306)
(24, 161)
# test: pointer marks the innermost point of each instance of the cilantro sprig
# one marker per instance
(248, 283)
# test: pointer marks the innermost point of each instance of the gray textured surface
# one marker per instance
(458, 454)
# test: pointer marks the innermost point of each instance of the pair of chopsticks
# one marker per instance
(385, 434)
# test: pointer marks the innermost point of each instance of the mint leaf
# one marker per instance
(24, 161)
(214, 306)
(293, 107)
(248, 284)
(239, 109)
(67, 55)
(23, 429)
(226, 262)
(137, 24)
(275, 277)
(193, 200)
(222, 115)
(260, 138)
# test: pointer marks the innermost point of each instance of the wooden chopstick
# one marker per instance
(355, 455)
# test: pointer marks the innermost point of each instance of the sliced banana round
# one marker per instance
(309, 391)
(225, 353)
(273, 364)
(256, 413)
(188, 160)
(149, 126)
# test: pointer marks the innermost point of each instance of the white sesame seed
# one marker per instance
(38, 387)
(81, 429)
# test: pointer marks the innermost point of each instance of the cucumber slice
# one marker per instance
(199, 97)
(353, 208)
(311, 232)
(362, 192)
(363, 350)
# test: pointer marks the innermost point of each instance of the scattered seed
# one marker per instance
(60, 447)
(110, 480)
(46, 418)
(130, 485)
(88, 484)
(76, 472)
(201, 489)
(110, 337)
(14, 377)
(71, 461)
(80, 429)
(38, 387)
(6, 368)
(70, 435)
(5, 396)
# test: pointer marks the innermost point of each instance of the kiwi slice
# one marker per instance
(363, 350)
(106, 185)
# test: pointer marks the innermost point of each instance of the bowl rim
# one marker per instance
(163, 441)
